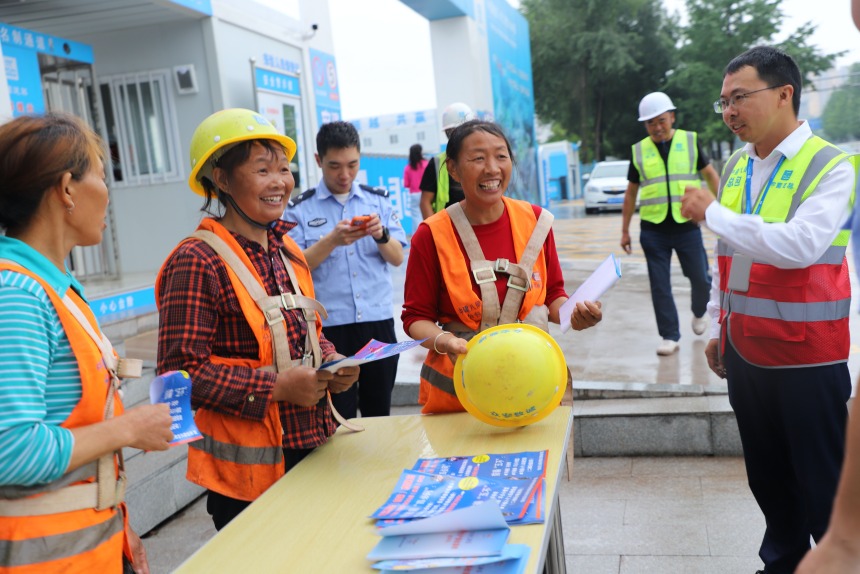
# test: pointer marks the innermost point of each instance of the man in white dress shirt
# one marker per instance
(780, 299)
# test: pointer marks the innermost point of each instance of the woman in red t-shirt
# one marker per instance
(479, 157)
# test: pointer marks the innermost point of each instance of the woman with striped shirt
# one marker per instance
(61, 482)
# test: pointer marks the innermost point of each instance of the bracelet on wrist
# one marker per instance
(436, 339)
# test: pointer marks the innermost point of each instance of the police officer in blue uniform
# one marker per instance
(349, 234)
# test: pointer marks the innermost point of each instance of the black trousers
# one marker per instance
(223, 509)
(792, 427)
(371, 394)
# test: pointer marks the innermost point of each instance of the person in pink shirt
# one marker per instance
(412, 180)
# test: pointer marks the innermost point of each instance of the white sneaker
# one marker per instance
(700, 324)
(667, 347)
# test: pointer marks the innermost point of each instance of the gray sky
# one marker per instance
(384, 63)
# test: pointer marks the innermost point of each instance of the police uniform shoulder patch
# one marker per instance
(301, 197)
(381, 191)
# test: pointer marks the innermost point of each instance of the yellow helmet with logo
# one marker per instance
(512, 375)
(221, 131)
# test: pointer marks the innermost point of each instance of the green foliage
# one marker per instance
(593, 60)
(719, 30)
(841, 118)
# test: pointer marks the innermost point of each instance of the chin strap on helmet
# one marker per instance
(225, 197)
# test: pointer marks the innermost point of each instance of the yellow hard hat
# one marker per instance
(512, 375)
(220, 131)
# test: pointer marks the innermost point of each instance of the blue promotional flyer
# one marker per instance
(173, 388)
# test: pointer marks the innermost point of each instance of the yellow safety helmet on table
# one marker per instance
(512, 375)
(220, 131)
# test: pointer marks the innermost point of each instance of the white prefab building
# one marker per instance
(160, 67)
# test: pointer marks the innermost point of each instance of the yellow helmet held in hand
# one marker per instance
(512, 375)
(221, 131)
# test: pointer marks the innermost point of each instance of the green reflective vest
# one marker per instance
(442, 194)
(655, 196)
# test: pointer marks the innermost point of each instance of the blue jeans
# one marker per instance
(658, 248)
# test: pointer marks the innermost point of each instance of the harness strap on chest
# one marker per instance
(484, 271)
(271, 306)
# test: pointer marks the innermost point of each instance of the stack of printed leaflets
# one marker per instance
(469, 540)
(511, 486)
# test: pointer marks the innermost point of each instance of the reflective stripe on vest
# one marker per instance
(33, 551)
(771, 323)
(656, 196)
(239, 454)
(785, 311)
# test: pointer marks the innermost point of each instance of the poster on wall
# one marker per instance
(513, 93)
(21, 48)
(326, 88)
(279, 101)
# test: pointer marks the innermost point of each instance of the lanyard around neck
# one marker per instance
(748, 185)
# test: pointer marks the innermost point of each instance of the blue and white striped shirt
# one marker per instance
(40, 382)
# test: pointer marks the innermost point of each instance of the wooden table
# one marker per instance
(315, 519)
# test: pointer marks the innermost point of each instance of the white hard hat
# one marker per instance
(653, 105)
(456, 114)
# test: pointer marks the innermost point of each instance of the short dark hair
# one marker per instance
(35, 153)
(464, 130)
(774, 66)
(337, 135)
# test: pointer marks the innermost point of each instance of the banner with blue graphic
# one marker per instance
(326, 88)
(513, 94)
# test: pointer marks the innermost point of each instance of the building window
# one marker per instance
(419, 136)
(392, 138)
(142, 128)
(367, 142)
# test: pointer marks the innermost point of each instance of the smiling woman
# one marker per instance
(237, 312)
(63, 421)
(484, 261)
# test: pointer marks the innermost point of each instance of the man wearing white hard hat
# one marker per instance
(663, 164)
(438, 191)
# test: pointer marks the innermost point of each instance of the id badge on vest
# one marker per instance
(739, 275)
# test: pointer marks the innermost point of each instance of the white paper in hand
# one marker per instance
(592, 289)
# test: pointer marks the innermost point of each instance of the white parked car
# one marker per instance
(605, 186)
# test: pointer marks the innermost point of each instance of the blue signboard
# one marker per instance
(326, 88)
(277, 82)
(24, 80)
(513, 94)
(21, 62)
(124, 305)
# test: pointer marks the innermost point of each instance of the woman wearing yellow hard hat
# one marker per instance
(485, 262)
(237, 312)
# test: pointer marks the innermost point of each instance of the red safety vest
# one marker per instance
(787, 317)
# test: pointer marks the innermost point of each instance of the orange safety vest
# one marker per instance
(786, 318)
(242, 458)
(460, 283)
(86, 540)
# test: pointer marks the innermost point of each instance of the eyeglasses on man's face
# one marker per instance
(737, 100)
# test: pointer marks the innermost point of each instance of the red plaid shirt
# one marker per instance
(200, 316)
